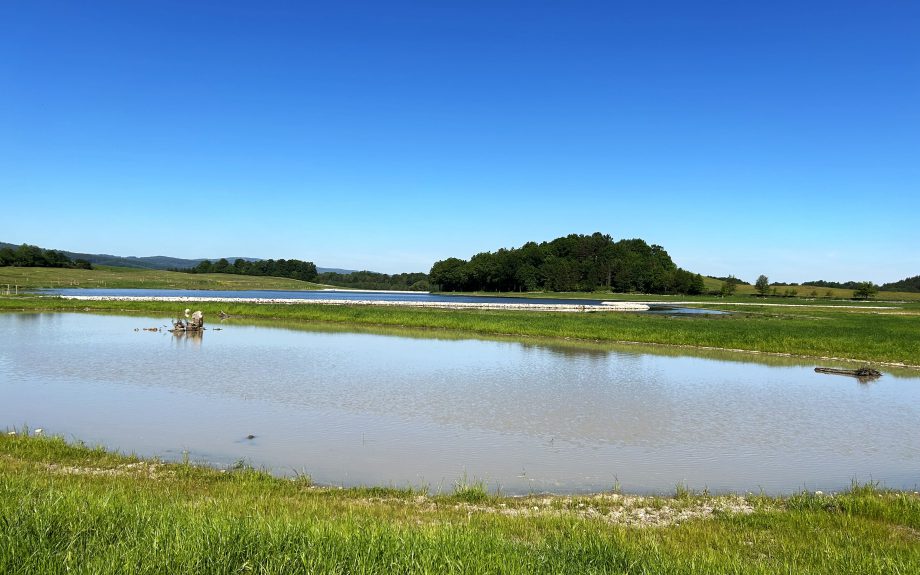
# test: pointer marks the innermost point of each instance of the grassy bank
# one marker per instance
(111, 277)
(117, 277)
(68, 508)
(834, 297)
(865, 335)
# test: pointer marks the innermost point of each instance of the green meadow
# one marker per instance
(69, 508)
(117, 277)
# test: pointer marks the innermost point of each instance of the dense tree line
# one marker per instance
(373, 280)
(826, 284)
(294, 269)
(731, 279)
(28, 256)
(572, 263)
(911, 284)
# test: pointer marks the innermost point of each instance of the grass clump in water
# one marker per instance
(470, 491)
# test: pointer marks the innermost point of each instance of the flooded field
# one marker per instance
(422, 299)
(365, 407)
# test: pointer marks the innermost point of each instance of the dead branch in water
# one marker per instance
(862, 373)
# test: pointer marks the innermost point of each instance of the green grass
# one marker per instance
(112, 277)
(744, 294)
(117, 277)
(72, 509)
(889, 335)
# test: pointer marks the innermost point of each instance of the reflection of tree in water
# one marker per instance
(564, 348)
(568, 351)
(27, 317)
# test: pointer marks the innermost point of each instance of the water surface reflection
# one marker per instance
(363, 406)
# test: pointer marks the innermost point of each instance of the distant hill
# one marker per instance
(156, 262)
(911, 284)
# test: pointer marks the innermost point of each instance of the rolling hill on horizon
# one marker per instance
(156, 262)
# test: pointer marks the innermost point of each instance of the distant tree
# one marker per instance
(527, 277)
(827, 284)
(865, 290)
(295, 269)
(911, 284)
(33, 256)
(697, 285)
(762, 285)
(729, 285)
(570, 263)
(7, 257)
(449, 275)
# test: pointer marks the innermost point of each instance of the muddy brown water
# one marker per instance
(426, 409)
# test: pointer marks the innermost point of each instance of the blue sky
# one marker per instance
(780, 138)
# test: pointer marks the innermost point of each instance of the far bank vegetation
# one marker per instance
(571, 263)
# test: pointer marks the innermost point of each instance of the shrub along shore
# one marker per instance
(68, 508)
(885, 336)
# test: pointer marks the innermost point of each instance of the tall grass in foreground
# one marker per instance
(66, 508)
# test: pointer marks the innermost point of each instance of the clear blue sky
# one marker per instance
(780, 138)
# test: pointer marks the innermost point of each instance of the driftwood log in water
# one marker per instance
(863, 372)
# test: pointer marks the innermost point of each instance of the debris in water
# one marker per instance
(862, 373)
(193, 322)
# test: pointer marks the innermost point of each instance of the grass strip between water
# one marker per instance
(887, 335)
(68, 508)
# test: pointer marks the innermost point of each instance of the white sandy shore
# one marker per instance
(608, 306)
(355, 290)
(757, 304)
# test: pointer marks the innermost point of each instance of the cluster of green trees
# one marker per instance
(35, 257)
(861, 290)
(295, 269)
(911, 284)
(729, 285)
(572, 263)
(374, 280)
(764, 287)
(732, 279)
(827, 284)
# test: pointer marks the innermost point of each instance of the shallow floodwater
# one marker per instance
(409, 409)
